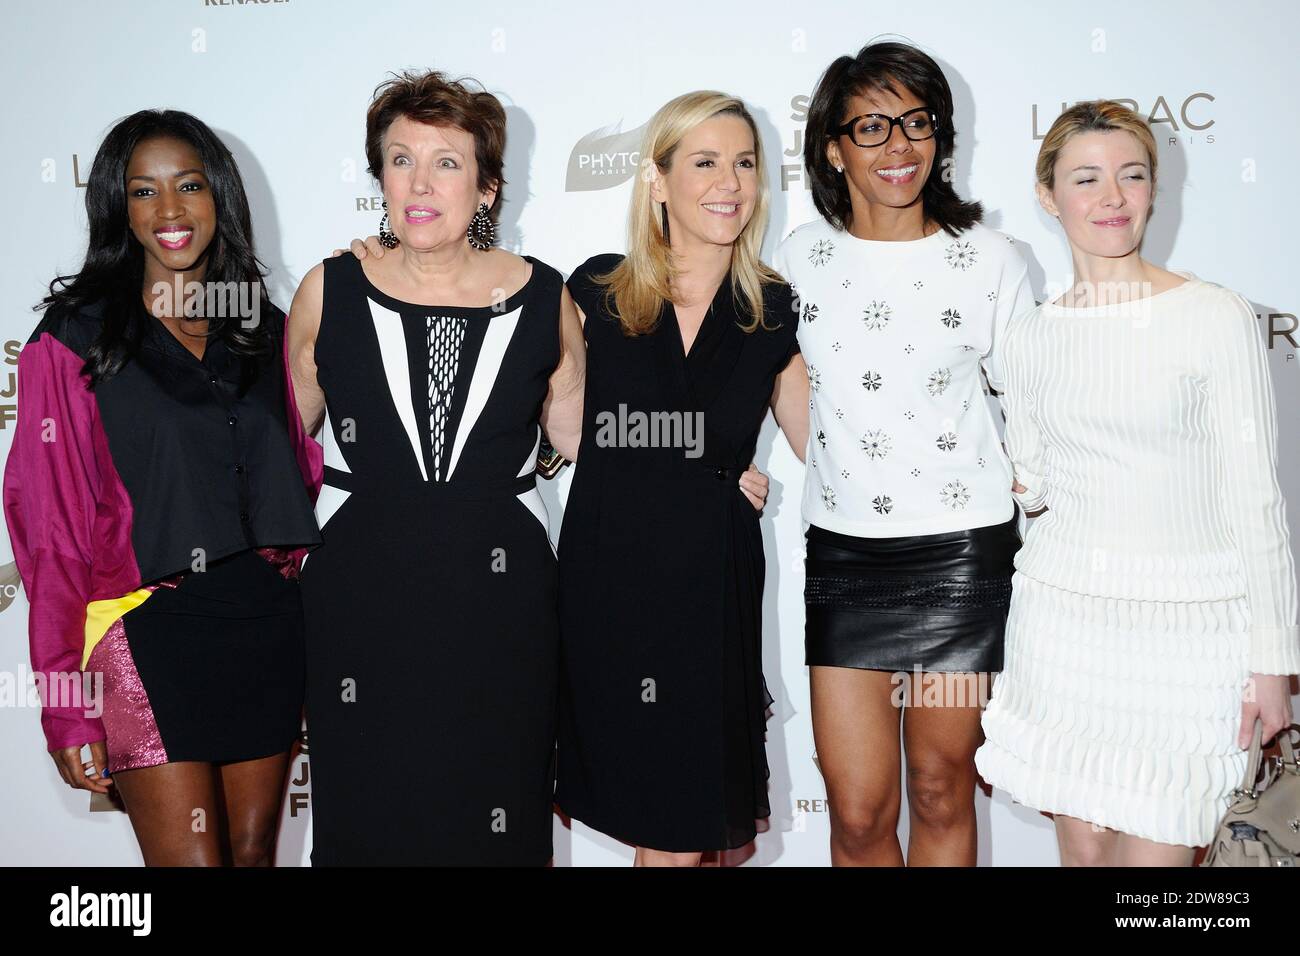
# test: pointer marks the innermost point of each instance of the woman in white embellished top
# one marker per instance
(1159, 586)
(907, 491)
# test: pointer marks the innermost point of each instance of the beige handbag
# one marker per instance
(1262, 825)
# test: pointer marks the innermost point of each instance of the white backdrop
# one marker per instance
(286, 84)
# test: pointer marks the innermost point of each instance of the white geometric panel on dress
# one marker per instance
(501, 329)
(330, 499)
(444, 335)
(532, 500)
(332, 450)
(530, 463)
(392, 350)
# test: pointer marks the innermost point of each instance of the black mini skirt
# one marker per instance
(934, 602)
(210, 667)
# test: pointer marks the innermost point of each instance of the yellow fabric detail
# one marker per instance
(100, 616)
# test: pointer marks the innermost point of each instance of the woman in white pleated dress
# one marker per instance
(1153, 611)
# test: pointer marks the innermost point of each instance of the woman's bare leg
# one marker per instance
(648, 857)
(254, 793)
(941, 732)
(175, 812)
(1135, 851)
(855, 727)
(1083, 843)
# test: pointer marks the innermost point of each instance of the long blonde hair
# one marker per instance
(637, 288)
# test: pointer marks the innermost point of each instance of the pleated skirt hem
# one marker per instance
(1162, 818)
(1118, 712)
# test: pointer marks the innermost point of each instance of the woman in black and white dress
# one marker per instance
(430, 608)
(908, 492)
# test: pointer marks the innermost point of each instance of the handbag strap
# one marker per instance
(1256, 751)
(1252, 763)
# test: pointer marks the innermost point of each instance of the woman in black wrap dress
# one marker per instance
(662, 699)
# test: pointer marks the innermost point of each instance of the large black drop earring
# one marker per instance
(482, 231)
(387, 238)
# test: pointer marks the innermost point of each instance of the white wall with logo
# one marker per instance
(286, 84)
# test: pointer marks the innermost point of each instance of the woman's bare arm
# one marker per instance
(790, 404)
(303, 327)
(562, 410)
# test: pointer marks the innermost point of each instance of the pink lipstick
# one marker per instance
(174, 237)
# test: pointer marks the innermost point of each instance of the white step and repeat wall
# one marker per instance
(286, 82)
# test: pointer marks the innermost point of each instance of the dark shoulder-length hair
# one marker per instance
(881, 67)
(113, 271)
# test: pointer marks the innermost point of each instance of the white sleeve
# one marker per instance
(1244, 417)
(1025, 445)
(1014, 298)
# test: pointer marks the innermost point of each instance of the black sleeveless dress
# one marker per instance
(662, 703)
(430, 607)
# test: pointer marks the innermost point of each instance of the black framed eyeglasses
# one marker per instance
(874, 129)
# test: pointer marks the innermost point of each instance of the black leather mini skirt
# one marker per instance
(937, 602)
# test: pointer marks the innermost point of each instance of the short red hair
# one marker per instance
(432, 98)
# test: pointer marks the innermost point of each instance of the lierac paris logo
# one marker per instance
(1190, 116)
(604, 158)
(1284, 326)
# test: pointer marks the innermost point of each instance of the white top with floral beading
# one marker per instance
(903, 439)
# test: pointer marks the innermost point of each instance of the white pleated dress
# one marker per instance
(1161, 575)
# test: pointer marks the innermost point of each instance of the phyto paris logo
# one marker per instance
(604, 158)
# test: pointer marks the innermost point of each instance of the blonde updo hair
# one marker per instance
(1093, 116)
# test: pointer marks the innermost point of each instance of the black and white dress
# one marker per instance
(431, 606)
(908, 491)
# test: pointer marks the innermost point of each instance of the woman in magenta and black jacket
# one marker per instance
(158, 496)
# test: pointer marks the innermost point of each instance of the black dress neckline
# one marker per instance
(401, 305)
(708, 325)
